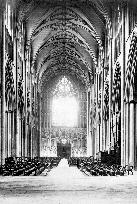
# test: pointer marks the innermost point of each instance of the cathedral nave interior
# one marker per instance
(68, 87)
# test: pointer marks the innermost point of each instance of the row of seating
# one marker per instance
(74, 161)
(27, 166)
(100, 169)
(94, 167)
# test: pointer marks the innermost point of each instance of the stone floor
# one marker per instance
(67, 185)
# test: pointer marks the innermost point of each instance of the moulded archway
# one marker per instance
(55, 133)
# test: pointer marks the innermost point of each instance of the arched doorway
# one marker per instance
(63, 150)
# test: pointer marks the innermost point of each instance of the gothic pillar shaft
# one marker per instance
(18, 139)
(3, 149)
(47, 117)
(96, 125)
(123, 90)
(136, 136)
(26, 138)
(23, 137)
(21, 134)
(127, 134)
(12, 134)
(98, 122)
(13, 143)
(6, 133)
(107, 134)
(95, 135)
(9, 134)
(112, 131)
(26, 90)
(116, 122)
(110, 95)
(93, 140)
(40, 130)
(98, 139)
(101, 114)
(88, 128)
(132, 135)
(102, 120)
(88, 139)
(104, 136)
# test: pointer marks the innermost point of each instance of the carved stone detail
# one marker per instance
(116, 91)
(28, 98)
(20, 96)
(131, 70)
(99, 108)
(75, 136)
(106, 101)
(9, 84)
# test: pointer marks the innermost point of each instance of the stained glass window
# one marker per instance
(64, 88)
(64, 104)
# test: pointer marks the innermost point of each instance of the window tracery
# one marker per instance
(64, 88)
(64, 104)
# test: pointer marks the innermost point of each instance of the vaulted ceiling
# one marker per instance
(64, 36)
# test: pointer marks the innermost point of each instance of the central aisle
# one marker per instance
(68, 185)
(63, 171)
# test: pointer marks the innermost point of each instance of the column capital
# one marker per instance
(133, 98)
(132, 101)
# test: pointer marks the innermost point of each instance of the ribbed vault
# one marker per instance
(64, 36)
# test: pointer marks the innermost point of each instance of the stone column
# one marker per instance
(136, 136)
(16, 89)
(97, 119)
(26, 136)
(110, 95)
(13, 132)
(123, 89)
(1, 51)
(88, 152)
(132, 134)
(3, 150)
(127, 119)
(50, 112)
(96, 125)
(18, 139)
(26, 125)
(102, 120)
(6, 133)
(89, 134)
(21, 135)
(91, 125)
(18, 134)
(114, 128)
(47, 108)
(105, 134)
(117, 122)
(9, 133)
(112, 131)
(101, 113)
(40, 121)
